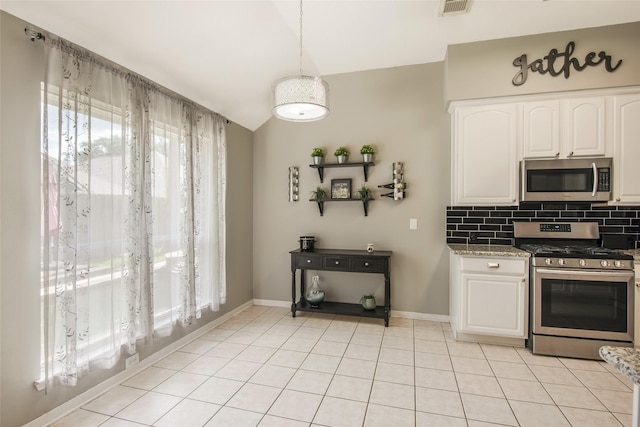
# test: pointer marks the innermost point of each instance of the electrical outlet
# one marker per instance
(413, 224)
(131, 361)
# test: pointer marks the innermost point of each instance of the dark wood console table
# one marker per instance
(353, 261)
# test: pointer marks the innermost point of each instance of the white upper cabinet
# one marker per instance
(626, 147)
(565, 128)
(484, 156)
(584, 123)
(541, 129)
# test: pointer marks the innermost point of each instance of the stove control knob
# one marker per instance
(548, 261)
(582, 262)
(561, 261)
(604, 263)
(618, 264)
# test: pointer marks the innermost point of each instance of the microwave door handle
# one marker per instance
(595, 179)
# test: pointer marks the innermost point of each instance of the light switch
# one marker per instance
(413, 224)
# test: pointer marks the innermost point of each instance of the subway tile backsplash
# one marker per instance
(494, 224)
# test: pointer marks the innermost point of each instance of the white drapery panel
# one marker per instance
(133, 212)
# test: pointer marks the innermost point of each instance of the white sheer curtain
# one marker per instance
(133, 223)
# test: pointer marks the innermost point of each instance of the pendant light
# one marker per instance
(300, 98)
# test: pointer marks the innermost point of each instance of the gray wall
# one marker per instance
(485, 69)
(400, 111)
(20, 76)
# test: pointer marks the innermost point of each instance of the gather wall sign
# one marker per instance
(557, 63)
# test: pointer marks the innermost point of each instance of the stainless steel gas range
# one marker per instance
(581, 295)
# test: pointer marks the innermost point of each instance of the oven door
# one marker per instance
(583, 303)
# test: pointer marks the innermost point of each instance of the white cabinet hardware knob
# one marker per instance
(337, 262)
(570, 154)
(558, 154)
(366, 264)
(309, 261)
(617, 199)
(638, 285)
(493, 265)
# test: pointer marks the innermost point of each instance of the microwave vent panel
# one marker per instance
(454, 7)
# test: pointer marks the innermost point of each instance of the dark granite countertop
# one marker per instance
(635, 253)
(488, 250)
(626, 359)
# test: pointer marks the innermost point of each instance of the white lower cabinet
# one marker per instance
(489, 296)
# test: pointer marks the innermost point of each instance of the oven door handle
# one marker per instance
(563, 272)
(595, 179)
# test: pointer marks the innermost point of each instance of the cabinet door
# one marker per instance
(541, 129)
(626, 148)
(584, 126)
(494, 305)
(484, 155)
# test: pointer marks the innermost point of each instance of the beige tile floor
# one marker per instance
(265, 368)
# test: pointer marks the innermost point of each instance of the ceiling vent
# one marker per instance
(454, 7)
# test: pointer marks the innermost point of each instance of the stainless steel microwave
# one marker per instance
(578, 180)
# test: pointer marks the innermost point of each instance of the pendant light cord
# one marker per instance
(300, 37)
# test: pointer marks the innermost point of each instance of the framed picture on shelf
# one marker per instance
(341, 188)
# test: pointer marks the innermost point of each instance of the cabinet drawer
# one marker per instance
(308, 261)
(494, 265)
(337, 262)
(368, 265)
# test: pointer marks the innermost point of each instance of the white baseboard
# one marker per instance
(99, 389)
(394, 313)
(420, 316)
(272, 303)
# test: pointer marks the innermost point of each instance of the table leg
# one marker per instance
(387, 297)
(293, 293)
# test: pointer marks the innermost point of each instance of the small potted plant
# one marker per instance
(318, 194)
(367, 152)
(365, 193)
(368, 302)
(342, 153)
(318, 156)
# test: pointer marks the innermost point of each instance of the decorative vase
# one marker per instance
(367, 158)
(368, 302)
(318, 160)
(342, 159)
(315, 294)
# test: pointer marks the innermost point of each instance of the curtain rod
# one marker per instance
(34, 35)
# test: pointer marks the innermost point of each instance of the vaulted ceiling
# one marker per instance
(225, 55)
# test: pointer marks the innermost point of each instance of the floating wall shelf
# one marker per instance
(365, 204)
(365, 168)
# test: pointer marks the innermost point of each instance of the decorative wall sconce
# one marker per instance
(294, 185)
(398, 185)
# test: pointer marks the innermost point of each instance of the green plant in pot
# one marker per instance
(368, 302)
(342, 153)
(365, 193)
(318, 156)
(318, 194)
(367, 152)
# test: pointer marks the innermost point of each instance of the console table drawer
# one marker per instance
(337, 262)
(368, 265)
(308, 261)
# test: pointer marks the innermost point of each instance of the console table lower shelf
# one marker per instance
(340, 260)
(342, 308)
